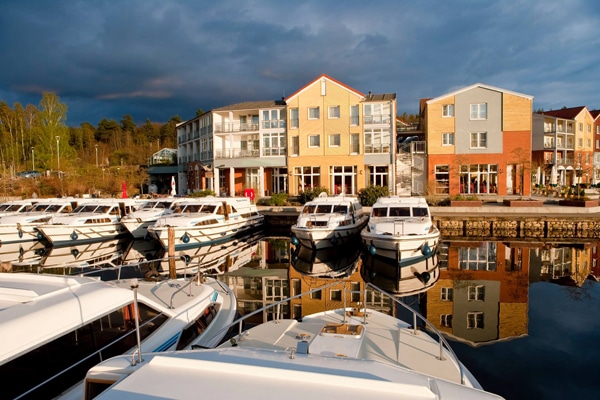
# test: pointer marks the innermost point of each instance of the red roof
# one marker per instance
(566, 113)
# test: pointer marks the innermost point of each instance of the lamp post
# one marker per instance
(32, 159)
(96, 156)
(58, 153)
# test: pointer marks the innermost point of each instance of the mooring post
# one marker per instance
(171, 252)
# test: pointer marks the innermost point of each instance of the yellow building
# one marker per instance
(339, 138)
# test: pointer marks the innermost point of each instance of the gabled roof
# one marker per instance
(329, 79)
(480, 85)
(595, 113)
(251, 105)
(565, 113)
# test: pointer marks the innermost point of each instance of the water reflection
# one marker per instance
(331, 262)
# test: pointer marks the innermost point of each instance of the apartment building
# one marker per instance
(478, 141)
(339, 138)
(563, 147)
(234, 148)
(596, 162)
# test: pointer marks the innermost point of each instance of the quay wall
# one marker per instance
(491, 222)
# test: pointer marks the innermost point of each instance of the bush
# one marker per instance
(369, 195)
(309, 194)
(278, 199)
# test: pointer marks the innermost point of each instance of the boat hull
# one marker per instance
(323, 237)
(59, 235)
(405, 250)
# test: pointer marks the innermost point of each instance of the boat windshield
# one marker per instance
(323, 209)
(379, 212)
(309, 209)
(208, 208)
(399, 211)
(12, 207)
(85, 208)
(420, 212)
(340, 208)
(39, 207)
(149, 205)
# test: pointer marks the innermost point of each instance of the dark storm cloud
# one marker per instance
(156, 59)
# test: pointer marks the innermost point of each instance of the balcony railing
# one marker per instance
(376, 119)
(235, 126)
(376, 149)
(239, 153)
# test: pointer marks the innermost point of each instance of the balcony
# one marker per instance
(253, 153)
(377, 119)
(238, 126)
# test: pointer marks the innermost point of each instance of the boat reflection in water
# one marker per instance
(408, 280)
(330, 262)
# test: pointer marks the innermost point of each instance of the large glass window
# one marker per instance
(343, 179)
(479, 178)
(295, 145)
(272, 119)
(274, 144)
(378, 175)
(307, 177)
(354, 119)
(377, 113)
(354, 143)
(377, 140)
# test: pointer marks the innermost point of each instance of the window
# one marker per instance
(580, 127)
(377, 113)
(588, 143)
(478, 140)
(316, 295)
(314, 141)
(307, 177)
(355, 287)
(447, 139)
(378, 175)
(598, 129)
(354, 144)
(336, 295)
(589, 128)
(476, 293)
(448, 110)
(334, 112)
(294, 118)
(475, 320)
(377, 140)
(296, 288)
(295, 145)
(442, 179)
(271, 119)
(481, 258)
(580, 142)
(446, 294)
(353, 115)
(313, 113)
(273, 144)
(479, 111)
(446, 320)
(334, 140)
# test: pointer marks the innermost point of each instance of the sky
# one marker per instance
(155, 59)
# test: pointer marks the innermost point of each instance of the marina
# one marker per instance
(489, 297)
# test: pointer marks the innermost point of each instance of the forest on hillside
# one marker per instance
(75, 160)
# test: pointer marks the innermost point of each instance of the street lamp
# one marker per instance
(32, 159)
(58, 152)
(96, 156)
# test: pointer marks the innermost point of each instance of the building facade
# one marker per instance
(478, 142)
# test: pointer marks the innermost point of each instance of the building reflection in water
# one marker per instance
(473, 291)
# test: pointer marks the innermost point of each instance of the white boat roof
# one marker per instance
(399, 200)
(37, 308)
(339, 199)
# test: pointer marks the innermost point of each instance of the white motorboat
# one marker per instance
(20, 227)
(92, 220)
(329, 221)
(54, 328)
(15, 207)
(207, 220)
(345, 352)
(401, 228)
(138, 221)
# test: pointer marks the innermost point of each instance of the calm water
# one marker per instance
(522, 316)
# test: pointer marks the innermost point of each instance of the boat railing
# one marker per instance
(416, 317)
(97, 353)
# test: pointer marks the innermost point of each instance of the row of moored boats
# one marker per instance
(78, 337)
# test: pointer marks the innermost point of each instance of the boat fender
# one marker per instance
(40, 236)
(186, 259)
(74, 235)
(185, 238)
(426, 250)
(372, 250)
(295, 241)
(75, 252)
(334, 240)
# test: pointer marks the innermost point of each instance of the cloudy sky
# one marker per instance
(154, 59)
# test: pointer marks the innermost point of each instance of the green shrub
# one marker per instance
(369, 195)
(278, 199)
(309, 194)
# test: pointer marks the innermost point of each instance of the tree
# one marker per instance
(53, 117)
(168, 132)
